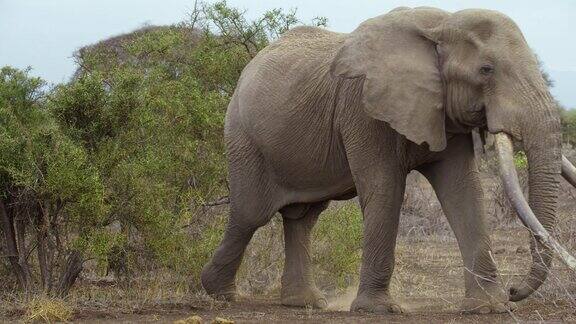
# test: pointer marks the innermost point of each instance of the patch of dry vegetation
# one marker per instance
(49, 310)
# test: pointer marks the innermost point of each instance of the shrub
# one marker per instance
(338, 243)
(51, 197)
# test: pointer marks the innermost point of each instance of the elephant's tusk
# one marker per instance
(514, 192)
(568, 171)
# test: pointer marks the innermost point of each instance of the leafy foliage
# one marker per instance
(520, 160)
(339, 235)
(568, 126)
(47, 183)
(117, 164)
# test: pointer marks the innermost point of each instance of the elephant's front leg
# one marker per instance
(381, 193)
(456, 181)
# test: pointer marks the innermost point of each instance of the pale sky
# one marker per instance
(43, 34)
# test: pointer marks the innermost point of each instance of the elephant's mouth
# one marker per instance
(514, 191)
(463, 121)
(475, 116)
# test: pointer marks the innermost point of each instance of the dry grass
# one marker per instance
(49, 310)
(420, 205)
(195, 319)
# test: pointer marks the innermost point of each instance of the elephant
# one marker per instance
(319, 116)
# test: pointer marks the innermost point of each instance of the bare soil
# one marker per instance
(266, 311)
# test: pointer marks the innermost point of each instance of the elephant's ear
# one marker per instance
(402, 84)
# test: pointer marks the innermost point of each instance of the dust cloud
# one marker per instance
(343, 302)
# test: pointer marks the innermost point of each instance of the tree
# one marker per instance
(48, 190)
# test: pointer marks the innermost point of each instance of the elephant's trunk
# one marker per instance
(542, 145)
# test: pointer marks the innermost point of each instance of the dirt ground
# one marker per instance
(428, 280)
(266, 311)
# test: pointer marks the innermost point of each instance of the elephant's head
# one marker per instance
(429, 73)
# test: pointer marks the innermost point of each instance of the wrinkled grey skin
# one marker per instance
(320, 116)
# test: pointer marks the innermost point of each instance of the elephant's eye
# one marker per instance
(486, 69)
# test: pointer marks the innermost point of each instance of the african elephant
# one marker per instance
(320, 116)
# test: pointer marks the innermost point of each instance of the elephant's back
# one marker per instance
(284, 103)
(279, 84)
(305, 40)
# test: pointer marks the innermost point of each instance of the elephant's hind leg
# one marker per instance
(298, 288)
(218, 276)
(252, 204)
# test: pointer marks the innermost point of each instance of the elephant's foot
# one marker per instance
(217, 287)
(376, 303)
(486, 297)
(308, 296)
(477, 306)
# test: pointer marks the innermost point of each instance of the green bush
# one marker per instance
(52, 197)
(338, 243)
(568, 119)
